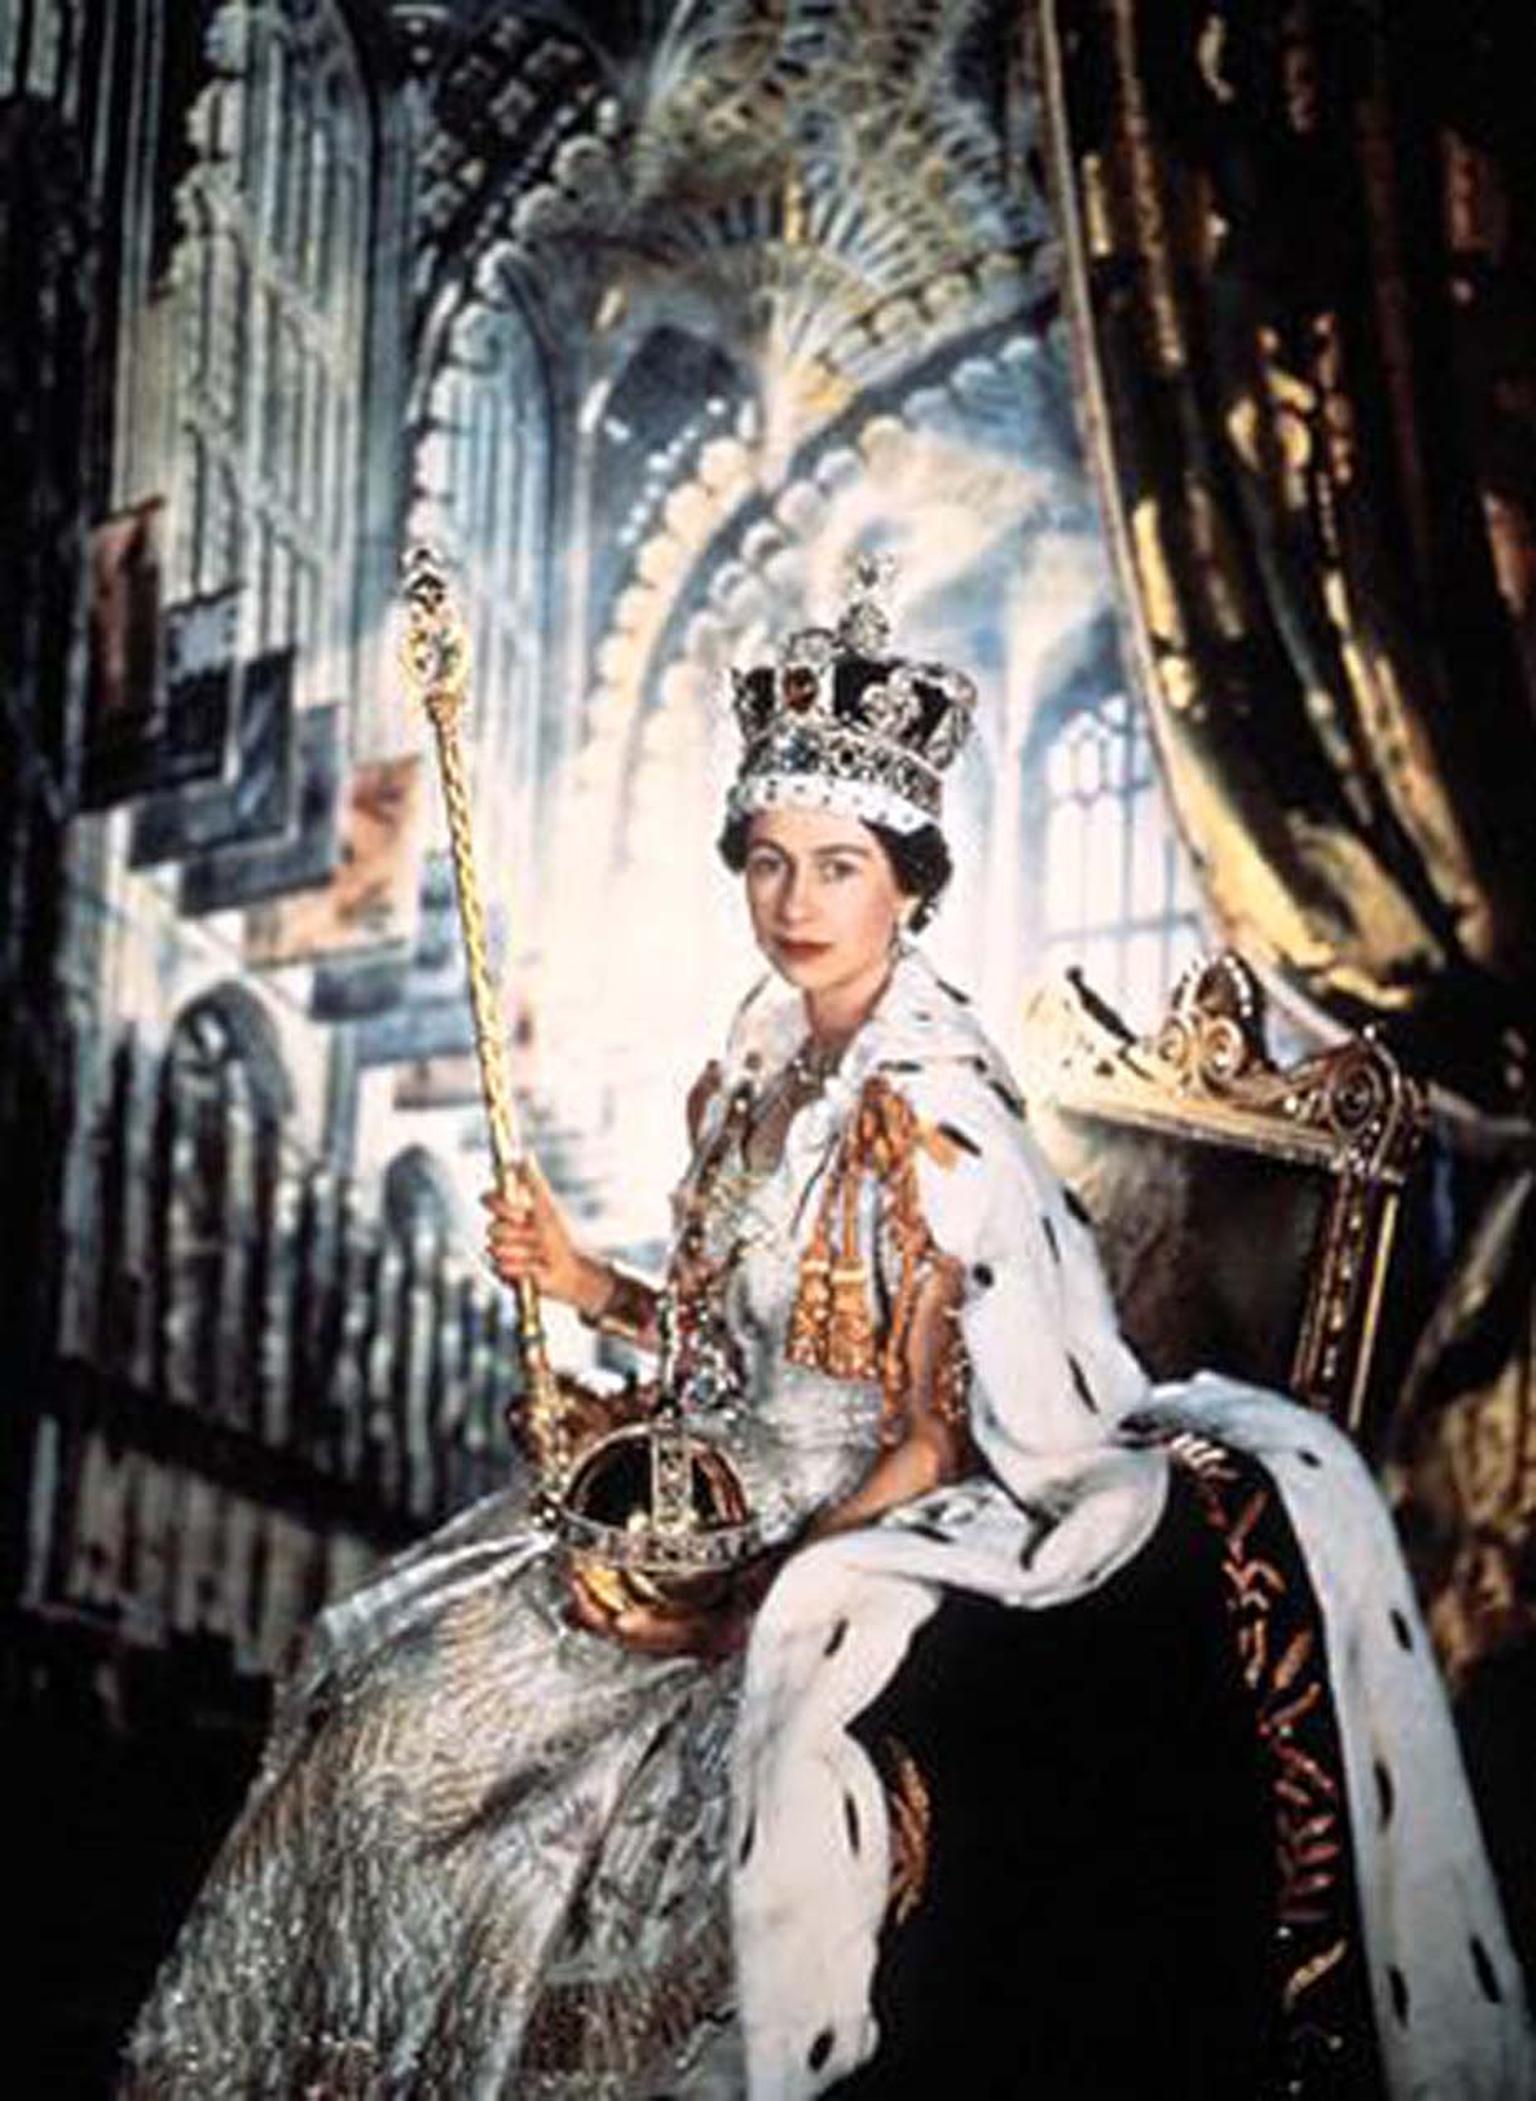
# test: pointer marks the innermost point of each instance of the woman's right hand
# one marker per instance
(528, 1238)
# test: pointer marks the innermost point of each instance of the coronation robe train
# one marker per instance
(490, 1854)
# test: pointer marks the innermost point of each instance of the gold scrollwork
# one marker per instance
(910, 1807)
(1205, 1074)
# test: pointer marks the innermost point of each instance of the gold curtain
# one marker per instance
(1299, 242)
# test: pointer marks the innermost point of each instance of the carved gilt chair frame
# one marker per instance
(1205, 1076)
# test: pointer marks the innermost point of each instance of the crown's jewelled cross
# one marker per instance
(865, 624)
(870, 575)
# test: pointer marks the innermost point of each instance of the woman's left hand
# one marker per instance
(709, 1633)
(656, 1630)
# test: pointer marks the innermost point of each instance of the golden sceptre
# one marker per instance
(435, 657)
(646, 1511)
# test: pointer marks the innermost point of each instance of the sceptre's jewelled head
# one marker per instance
(434, 649)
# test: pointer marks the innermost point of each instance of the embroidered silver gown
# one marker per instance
(486, 1851)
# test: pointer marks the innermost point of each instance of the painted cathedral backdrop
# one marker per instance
(649, 314)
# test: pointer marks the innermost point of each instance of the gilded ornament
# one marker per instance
(1145, 195)
(1160, 601)
(909, 1806)
(1350, 1112)
(1210, 55)
(1217, 572)
(1098, 213)
(832, 1327)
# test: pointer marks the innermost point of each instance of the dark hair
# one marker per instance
(919, 860)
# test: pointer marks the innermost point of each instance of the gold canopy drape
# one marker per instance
(1298, 241)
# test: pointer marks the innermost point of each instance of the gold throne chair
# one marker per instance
(1247, 1212)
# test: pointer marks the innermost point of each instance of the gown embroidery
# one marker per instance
(510, 1834)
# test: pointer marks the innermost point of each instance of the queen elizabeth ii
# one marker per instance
(518, 1836)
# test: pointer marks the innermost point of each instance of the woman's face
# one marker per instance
(825, 904)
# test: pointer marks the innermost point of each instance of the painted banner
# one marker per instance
(451, 1082)
(198, 740)
(255, 802)
(372, 900)
(305, 855)
(125, 671)
(434, 970)
(414, 1030)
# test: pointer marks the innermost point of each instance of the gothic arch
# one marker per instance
(227, 1030)
(519, 118)
(418, 1196)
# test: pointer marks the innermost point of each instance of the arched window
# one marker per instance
(418, 1197)
(269, 278)
(224, 1095)
(1114, 893)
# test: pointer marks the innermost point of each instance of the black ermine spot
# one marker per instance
(1487, 1976)
(1398, 1985)
(1084, 1390)
(1384, 1793)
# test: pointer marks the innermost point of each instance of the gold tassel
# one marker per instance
(811, 1314)
(851, 1340)
(851, 1333)
(832, 1323)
